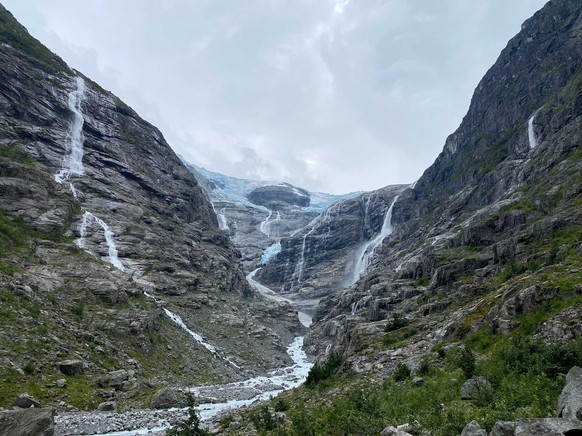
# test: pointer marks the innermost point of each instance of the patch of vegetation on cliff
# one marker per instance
(14, 153)
(16, 35)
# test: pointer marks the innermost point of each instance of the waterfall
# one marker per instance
(222, 222)
(356, 306)
(300, 267)
(263, 227)
(366, 252)
(109, 240)
(73, 164)
(531, 135)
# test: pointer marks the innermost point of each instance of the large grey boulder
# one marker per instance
(165, 398)
(27, 422)
(25, 401)
(473, 386)
(548, 427)
(473, 429)
(393, 431)
(570, 402)
(503, 428)
(71, 367)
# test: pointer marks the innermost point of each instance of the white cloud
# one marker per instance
(332, 95)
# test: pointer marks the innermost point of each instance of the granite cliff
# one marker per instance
(109, 249)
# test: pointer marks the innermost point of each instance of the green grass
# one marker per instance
(16, 154)
(526, 379)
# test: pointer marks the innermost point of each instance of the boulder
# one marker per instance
(27, 422)
(570, 401)
(165, 398)
(108, 406)
(61, 383)
(473, 386)
(114, 379)
(25, 401)
(393, 431)
(71, 367)
(503, 428)
(548, 427)
(473, 429)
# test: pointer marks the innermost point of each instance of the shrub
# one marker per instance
(425, 368)
(263, 420)
(191, 425)
(320, 372)
(401, 373)
(398, 321)
(465, 359)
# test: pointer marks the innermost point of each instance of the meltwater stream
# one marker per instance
(216, 399)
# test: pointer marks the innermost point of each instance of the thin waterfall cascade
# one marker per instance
(73, 166)
(176, 319)
(531, 134)
(264, 226)
(365, 254)
(112, 257)
(222, 222)
(73, 163)
(300, 267)
(356, 306)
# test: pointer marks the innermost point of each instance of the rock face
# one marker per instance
(484, 235)
(27, 422)
(323, 257)
(109, 250)
(258, 215)
(570, 402)
(278, 197)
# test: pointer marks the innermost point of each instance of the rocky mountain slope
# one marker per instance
(480, 274)
(495, 221)
(109, 249)
(331, 252)
(257, 215)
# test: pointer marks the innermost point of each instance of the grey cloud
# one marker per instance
(331, 95)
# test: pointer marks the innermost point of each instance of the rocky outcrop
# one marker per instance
(570, 402)
(325, 256)
(27, 422)
(480, 240)
(276, 197)
(94, 257)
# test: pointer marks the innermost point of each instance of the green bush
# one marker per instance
(465, 359)
(324, 371)
(424, 368)
(398, 321)
(401, 373)
(263, 420)
(191, 425)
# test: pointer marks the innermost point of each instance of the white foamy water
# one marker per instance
(531, 134)
(222, 222)
(364, 255)
(73, 163)
(216, 399)
(88, 217)
(256, 388)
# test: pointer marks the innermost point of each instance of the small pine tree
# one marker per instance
(191, 425)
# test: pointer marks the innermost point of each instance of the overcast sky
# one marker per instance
(330, 95)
